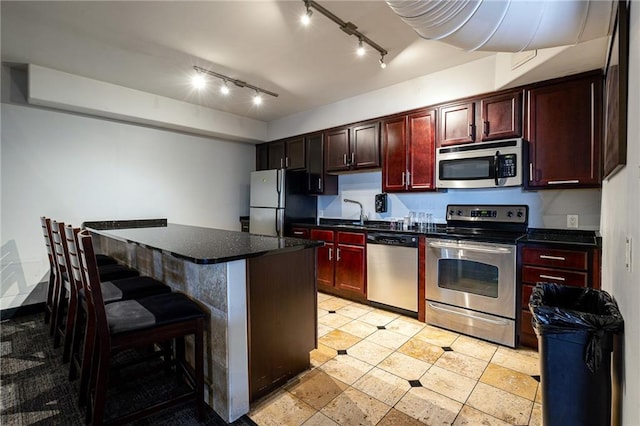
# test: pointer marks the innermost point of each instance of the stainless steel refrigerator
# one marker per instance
(277, 200)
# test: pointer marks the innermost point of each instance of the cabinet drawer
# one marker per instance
(300, 232)
(351, 238)
(526, 294)
(534, 274)
(571, 259)
(322, 235)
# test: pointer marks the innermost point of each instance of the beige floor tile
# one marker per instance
(323, 296)
(369, 352)
(354, 407)
(421, 350)
(333, 304)
(324, 330)
(429, 407)
(536, 415)
(471, 416)
(334, 320)
(383, 386)
(398, 418)
(448, 383)
(321, 355)
(378, 317)
(322, 312)
(359, 328)
(281, 409)
(465, 365)
(354, 310)
(346, 368)
(474, 347)
(337, 339)
(524, 361)
(501, 404)
(319, 419)
(510, 380)
(387, 338)
(437, 336)
(404, 366)
(316, 388)
(405, 327)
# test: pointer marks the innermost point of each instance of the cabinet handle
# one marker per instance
(403, 181)
(531, 172)
(320, 184)
(472, 131)
(551, 277)
(353, 157)
(338, 254)
(344, 159)
(560, 182)
(286, 162)
(298, 232)
(546, 256)
(408, 178)
(330, 253)
(486, 128)
(281, 163)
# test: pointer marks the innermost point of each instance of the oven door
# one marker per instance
(476, 276)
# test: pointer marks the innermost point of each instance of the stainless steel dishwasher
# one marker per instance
(392, 270)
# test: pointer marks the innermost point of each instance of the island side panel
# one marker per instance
(282, 299)
(217, 288)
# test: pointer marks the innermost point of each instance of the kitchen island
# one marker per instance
(259, 292)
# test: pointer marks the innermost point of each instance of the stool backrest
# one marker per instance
(59, 243)
(75, 266)
(46, 232)
(92, 286)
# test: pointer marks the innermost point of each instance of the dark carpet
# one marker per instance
(34, 389)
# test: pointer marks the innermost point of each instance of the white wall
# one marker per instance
(621, 220)
(547, 209)
(75, 168)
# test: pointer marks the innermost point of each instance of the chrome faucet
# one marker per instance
(362, 216)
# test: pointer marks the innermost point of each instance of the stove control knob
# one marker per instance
(509, 213)
(459, 212)
(451, 212)
(519, 214)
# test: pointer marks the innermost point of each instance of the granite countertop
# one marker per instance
(206, 245)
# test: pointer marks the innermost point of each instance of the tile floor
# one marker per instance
(373, 367)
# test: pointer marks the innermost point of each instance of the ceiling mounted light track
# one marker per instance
(348, 27)
(226, 80)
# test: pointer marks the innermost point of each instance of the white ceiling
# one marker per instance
(152, 46)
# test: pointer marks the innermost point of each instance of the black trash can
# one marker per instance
(575, 328)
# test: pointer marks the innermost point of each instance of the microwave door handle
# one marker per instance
(496, 167)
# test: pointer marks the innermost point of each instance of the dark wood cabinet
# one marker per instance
(320, 183)
(564, 133)
(341, 263)
(262, 156)
(284, 154)
(295, 158)
(573, 265)
(408, 150)
(353, 147)
(501, 116)
(457, 124)
(276, 154)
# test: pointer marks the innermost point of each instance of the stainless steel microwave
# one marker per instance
(480, 165)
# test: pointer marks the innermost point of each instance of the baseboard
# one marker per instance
(20, 311)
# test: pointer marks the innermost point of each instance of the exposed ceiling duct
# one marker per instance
(506, 25)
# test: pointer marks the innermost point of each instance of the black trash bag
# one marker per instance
(565, 309)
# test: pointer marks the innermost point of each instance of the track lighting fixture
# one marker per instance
(306, 18)
(224, 88)
(348, 27)
(198, 81)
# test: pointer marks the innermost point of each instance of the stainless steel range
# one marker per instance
(471, 271)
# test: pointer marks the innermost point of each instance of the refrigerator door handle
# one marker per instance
(279, 222)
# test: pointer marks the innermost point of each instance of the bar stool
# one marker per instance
(138, 323)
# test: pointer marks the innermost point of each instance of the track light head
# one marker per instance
(224, 88)
(382, 63)
(198, 81)
(306, 18)
(257, 99)
(360, 50)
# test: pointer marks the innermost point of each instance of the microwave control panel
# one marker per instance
(508, 165)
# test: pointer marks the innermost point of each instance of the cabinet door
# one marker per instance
(457, 124)
(326, 264)
(276, 154)
(564, 134)
(421, 159)
(501, 116)
(365, 146)
(337, 145)
(394, 154)
(262, 156)
(319, 182)
(350, 268)
(295, 150)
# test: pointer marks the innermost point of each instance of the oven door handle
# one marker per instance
(464, 314)
(482, 249)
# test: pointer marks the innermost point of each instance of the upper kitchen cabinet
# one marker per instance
(354, 147)
(284, 154)
(319, 182)
(457, 123)
(262, 156)
(501, 116)
(408, 147)
(564, 133)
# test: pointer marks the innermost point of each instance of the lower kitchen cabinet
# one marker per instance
(341, 263)
(573, 265)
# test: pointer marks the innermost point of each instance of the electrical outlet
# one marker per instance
(572, 221)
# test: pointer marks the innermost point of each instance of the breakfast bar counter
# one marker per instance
(259, 291)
